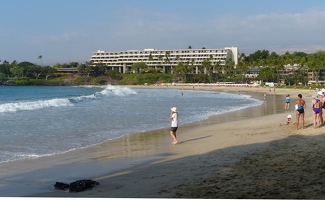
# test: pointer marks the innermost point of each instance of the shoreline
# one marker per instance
(119, 182)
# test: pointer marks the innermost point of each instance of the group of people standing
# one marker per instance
(317, 105)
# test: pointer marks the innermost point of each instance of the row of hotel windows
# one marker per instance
(149, 63)
(143, 56)
(145, 59)
(161, 52)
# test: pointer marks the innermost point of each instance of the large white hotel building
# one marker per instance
(123, 60)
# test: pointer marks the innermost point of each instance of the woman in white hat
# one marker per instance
(174, 118)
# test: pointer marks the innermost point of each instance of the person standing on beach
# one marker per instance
(300, 106)
(317, 110)
(320, 95)
(287, 104)
(174, 119)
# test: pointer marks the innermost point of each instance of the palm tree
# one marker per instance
(242, 65)
(40, 57)
(160, 58)
(191, 68)
(229, 65)
(303, 61)
(217, 68)
(242, 69)
(89, 66)
(7, 65)
(167, 60)
(179, 69)
(207, 68)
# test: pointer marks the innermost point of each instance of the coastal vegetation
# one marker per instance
(289, 69)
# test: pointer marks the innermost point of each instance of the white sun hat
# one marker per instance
(320, 93)
(289, 116)
(174, 109)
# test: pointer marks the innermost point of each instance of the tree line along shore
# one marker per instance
(296, 68)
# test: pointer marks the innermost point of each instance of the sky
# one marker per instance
(64, 31)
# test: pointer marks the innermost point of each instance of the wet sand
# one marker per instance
(243, 154)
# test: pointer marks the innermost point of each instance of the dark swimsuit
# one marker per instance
(300, 109)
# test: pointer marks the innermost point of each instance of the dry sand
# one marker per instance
(255, 157)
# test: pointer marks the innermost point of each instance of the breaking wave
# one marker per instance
(63, 102)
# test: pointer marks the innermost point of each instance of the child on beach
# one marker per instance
(288, 120)
(287, 104)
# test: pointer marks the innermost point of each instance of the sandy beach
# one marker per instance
(243, 154)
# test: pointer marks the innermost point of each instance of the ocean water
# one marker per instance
(38, 121)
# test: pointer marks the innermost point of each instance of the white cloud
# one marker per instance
(54, 38)
(268, 31)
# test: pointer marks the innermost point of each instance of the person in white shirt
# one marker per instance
(174, 125)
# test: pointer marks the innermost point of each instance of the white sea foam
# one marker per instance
(62, 102)
(33, 105)
(118, 91)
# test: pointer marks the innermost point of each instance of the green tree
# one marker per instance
(40, 58)
(17, 71)
(206, 64)
(150, 58)
(112, 74)
(160, 58)
(58, 65)
(98, 69)
(218, 69)
(180, 70)
(73, 65)
(48, 71)
(315, 63)
(2, 76)
(139, 66)
(82, 68)
(274, 61)
(167, 61)
(229, 67)
(7, 68)
(267, 74)
(35, 71)
(242, 69)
